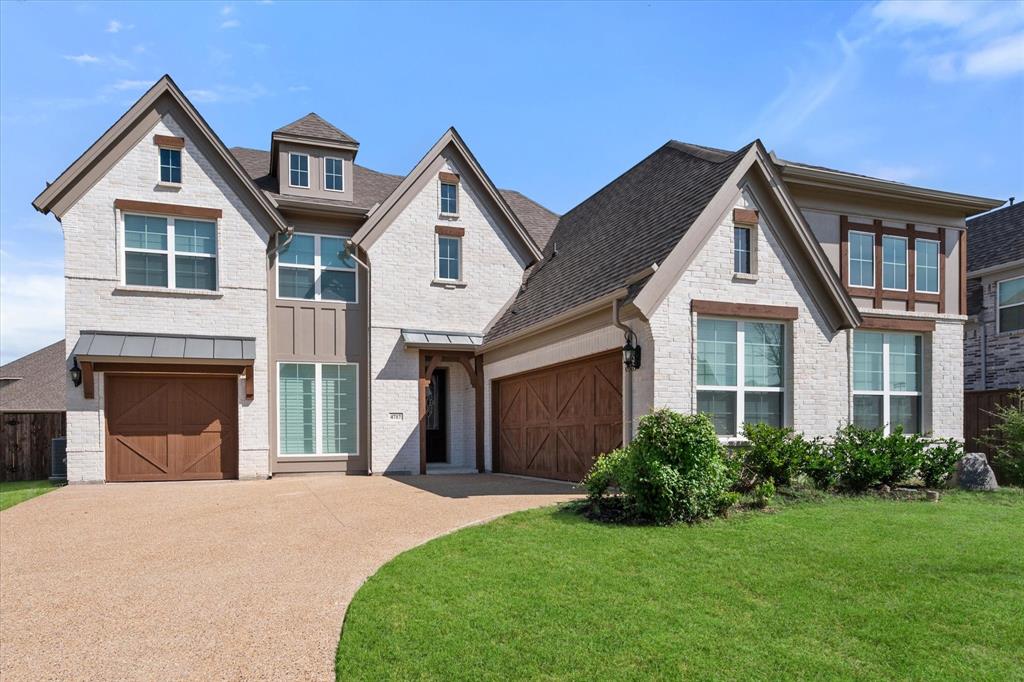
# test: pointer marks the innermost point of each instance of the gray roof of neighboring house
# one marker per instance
(36, 382)
(314, 127)
(995, 237)
(165, 346)
(370, 187)
(634, 221)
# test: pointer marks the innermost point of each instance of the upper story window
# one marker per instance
(862, 260)
(926, 256)
(894, 263)
(298, 170)
(887, 381)
(449, 258)
(176, 253)
(315, 268)
(740, 373)
(741, 250)
(170, 165)
(334, 179)
(449, 198)
(1010, 296)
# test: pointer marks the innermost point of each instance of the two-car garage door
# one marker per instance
(553, 422)
(171, 427)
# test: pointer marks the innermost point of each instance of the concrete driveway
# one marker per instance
(215, 580)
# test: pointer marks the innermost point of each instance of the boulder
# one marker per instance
(974, 473)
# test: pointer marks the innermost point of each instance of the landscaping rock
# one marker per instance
(974, 473)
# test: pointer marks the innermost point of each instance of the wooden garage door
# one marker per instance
(170, 428)
(555, 421)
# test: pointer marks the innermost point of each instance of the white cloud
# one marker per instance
(227, 10)
(203, 95)
(123, 85)
(916, 13)
(231, 23)
(82, 58)
(1001, 58)
(31, 306)
(298, 88)
(228, 93)
(116, 26)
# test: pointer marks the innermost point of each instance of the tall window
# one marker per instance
(1011, 305)
(318, 409)
(887, 381)
(449, 198)
(177, 253)
(333, 177)
(741, 250)
(926, 257)
(315, 268)
(894, 262)
(170, 165)
(448, 257)
(740, 373)
(862, 259)
(298, 167)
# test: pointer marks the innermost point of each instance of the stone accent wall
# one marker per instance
(95, 299)
(1004, 362)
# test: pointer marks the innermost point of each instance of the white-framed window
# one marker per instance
(887, 381)
(862, 259)
(334, 175)
(174, 253)
(449, 198)
(1010, 301)
(170, 165)
(314, 267)
(741, 250)
(741, 372)
(298, 170)
(318, 409)
(449, 258)
(894, 262)
(926, 260)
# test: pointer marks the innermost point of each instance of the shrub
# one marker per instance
(764, 492)
(904, 454)
(1006, 437)
(939, 461)
(860, 456)
(820, 464)
(771, 452)
(604, 474)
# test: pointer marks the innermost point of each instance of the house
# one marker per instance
(994, 334)
(32, 398)
(246, 313)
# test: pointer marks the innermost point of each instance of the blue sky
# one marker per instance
(554, 99)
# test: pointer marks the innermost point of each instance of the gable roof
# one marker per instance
(88, 168)
(36, 382)
(315, 128)
(377, 223)
(995, 238)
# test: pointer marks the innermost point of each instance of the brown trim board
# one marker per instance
(168, 209)
(895, 324)
(768, 312)
(445, 176)
(447, 231)
(744, 216)
(169, 141)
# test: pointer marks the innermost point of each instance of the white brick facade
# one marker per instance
(94, 299)
(405, 296)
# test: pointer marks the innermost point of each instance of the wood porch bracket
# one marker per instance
(473, 364)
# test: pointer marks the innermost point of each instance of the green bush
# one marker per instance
(939, 461)
(1006, 437)
(860, 456)
(673, 470)
(904, 454)
(771, 452)
(764, 492)
(820, 464)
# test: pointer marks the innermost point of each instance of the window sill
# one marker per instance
(164, 291)
(170, 186)
(448, 216)
(744, 277)
(316, 458)
(448, 284)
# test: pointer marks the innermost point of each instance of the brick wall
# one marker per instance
(1004, 361)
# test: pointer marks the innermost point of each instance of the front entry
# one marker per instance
(437, 417)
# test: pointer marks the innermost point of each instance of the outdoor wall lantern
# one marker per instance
(631, 352)
(76, 373)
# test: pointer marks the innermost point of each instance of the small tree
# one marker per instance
(1006, 437)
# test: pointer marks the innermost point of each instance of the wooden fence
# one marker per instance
(25, 443)
(978, 408)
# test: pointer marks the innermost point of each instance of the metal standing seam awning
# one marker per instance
(435, 340)
(101, 350)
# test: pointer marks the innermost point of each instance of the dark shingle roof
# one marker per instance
(995, 237)
(538, 221)
(634, 221)
(314, 127)
(36, 382)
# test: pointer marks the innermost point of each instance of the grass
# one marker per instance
(841, 588)
(15, 492)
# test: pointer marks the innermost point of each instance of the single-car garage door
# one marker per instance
(170, 428)
(553, 422)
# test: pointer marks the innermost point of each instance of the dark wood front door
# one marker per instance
(554, 422)
(437, 417)
(168, 428)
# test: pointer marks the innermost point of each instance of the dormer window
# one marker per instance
(449, 198)
(170, 165)
(334, 178)
(298, 170)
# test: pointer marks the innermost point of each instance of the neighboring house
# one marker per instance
(32, 397)
(994, 335)
(243, 313)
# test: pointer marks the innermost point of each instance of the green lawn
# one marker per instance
(18, 491)
(843, 588)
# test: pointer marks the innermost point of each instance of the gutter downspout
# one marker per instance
(627, 392)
